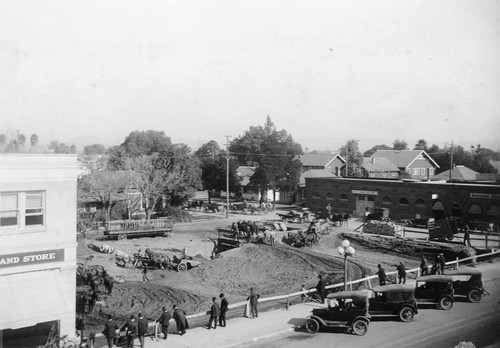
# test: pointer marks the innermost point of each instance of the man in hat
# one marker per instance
(214, 313)
(254, 299)
(224, 306)
(180, 319)
(110, 331)
(163, 320)
(381, 275)
(142, 329)
(131, 328)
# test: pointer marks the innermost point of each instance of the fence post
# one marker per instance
(287, 302)
(404, 232)
(369, 284)
(456, 267)
(486, 239)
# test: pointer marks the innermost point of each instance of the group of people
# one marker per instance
(437, 268)
(218, 312)
(137, 328)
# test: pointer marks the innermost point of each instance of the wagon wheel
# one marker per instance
(182, 267)
(122, 236)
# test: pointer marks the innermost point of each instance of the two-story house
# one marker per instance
(379, 168)
(417, 164)
(331, 162)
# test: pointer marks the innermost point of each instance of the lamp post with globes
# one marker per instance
(345, 250)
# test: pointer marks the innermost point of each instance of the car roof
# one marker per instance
(394, 288)
(436, 278)
(464, 271)
(357, 294)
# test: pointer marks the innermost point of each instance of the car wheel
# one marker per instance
(360, 327)
(182, 267)
(122, 236)
(406, 314)
(312, 325)
(445, 302)
(474, 296)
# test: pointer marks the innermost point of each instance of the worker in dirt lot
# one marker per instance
(254, 300)
(142, 329)
(180, 319)
(131, 330)
(224, 306)
(145, 274)
(214, 313)
(164, 320)
(321, 289)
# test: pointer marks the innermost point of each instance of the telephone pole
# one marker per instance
(227, 176)
(451, 160)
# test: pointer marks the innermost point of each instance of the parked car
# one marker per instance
(468, 282)
(420, 222)
(346, 309)
(394, 300)
(436, 289)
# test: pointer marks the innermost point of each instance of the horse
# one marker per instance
(109, 282)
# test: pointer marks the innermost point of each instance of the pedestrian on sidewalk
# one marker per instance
(130, 328)
(401, 273)
(466, 236)
(321, 289)
(180, 319)
(382, 278)
(110, 331)
(424, 267)
(142, 329)
(254, 299)
(164, 320)
(214, 313)
(145, 274)
(224, 306)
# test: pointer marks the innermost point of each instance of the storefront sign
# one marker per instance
(363, 192)
(26, 259)
(485, 195)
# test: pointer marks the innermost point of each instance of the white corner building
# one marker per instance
(38, 198)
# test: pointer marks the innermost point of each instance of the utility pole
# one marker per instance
(227, 176)
(451, 160)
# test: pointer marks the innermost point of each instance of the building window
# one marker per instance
(403, 201)
(431, 171)
(416, 171)
(22, 209)
(315, 194)
(372, 174)
(343, 197)
(386, 201)
(384, 174)
(329, 196)
(408, 170)
(394, 174)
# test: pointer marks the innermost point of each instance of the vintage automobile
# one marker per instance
(394, 300)
(346, 309)
(467, 282)
(436, 289)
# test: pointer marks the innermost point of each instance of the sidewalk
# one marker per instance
(238, 330)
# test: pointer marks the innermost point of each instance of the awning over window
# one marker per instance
(30, 298)
(438, 205)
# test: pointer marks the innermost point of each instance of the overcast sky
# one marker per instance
(201, 70)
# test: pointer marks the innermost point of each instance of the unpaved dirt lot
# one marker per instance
(270, 270)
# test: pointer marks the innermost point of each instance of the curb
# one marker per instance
(255, 339)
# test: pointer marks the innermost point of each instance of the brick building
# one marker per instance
(405, 199)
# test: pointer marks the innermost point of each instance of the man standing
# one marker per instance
(329, 211)
(164, 320)
(321, 289)
(442, 262)
(224, 306)
(145, 274)
(401, 273)
(424, 266)
(180, 319)
(254, 299)
(110, 331)
(214, 313)
(381, 275)
(466, 236)
(142, 329)
(131, 331)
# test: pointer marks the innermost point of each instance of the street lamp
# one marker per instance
(345, 250)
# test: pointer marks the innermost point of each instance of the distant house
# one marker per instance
(331, 162)
(416, 163)
(458, 173)
(379, 168)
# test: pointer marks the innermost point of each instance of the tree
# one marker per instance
(353, 158)
(58, 147)
(481, 159)
(94, 149)
(421, 145)
(371, 151)
(139, 143)
(274, 154)
(399, 144)
(104, 186)
(21, 139)
(34, 139)
(213, 166)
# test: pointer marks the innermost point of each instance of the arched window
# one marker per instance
(386, 201)
(316, 194)
(329, 196)
(403, 201)
(421, 207)
(456, 209)
(343, 197)
(474, 211)
(493, 211)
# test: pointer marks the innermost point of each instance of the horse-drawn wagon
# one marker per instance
(124, 229)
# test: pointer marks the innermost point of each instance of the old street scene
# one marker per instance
(259, 174)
